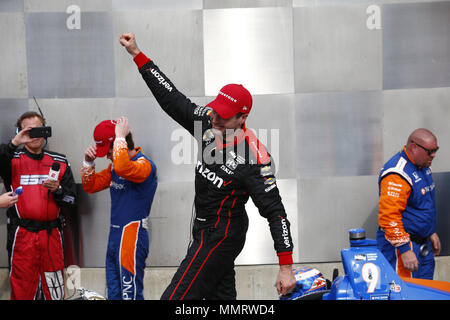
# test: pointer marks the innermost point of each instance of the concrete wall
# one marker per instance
(337, 85)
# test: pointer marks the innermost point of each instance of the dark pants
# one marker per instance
(207, 271)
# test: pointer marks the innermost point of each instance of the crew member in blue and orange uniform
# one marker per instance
(132, 179)
(407, 211)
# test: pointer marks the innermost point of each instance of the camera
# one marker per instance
(40, 132)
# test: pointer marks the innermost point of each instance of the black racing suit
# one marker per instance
(225, 177)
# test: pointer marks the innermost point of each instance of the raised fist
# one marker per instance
(128, 40)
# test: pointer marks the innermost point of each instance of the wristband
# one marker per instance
(141, 59)
(285, 258)
(88, 164)
(404, 247)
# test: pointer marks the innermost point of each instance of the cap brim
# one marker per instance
(223, 110)
(102, 150)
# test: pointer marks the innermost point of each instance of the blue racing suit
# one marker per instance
(407, 214)
(132, 182)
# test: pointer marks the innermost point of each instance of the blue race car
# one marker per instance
(368, 276)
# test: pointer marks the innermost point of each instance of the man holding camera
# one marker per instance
(34, 228)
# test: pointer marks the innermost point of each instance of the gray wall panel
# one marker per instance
(13, 77)
(219, 4)
(328, 208)
(157, 34)
(335, 51)
(249, 46)
(416, 50)
(406, 110)
(338, 134)
(273, 121)
(138, 5)
(70, 63)
(63, 5)
(10, 110)
(11, 6)
(308, 3)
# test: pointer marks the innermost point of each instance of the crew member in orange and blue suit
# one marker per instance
(132, 179)
(407, 211)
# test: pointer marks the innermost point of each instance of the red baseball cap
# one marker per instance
(104, 135)
(232, 98)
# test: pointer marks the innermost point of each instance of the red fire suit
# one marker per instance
(34, 241)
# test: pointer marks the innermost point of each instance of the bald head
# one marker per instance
(422, 147)
(421, 135)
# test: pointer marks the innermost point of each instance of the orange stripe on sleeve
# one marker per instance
(128, 246)
(94, 182)
(134, 171)
(394, 193)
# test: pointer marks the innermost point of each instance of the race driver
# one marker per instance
(35, 242)
(132, 180)
(234, 166)
(407, 210)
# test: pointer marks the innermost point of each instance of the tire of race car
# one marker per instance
(314, 296)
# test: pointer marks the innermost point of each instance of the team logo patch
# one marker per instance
(266, 171)
(269, 181)
(232, 164)
(208, 136)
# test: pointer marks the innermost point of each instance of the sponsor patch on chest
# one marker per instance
(209, 175)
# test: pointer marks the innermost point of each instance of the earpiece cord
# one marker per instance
(40, 111)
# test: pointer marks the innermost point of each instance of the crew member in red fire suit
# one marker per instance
(34, 243)
(234, 166)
